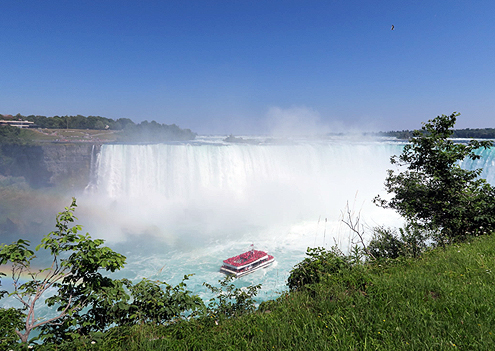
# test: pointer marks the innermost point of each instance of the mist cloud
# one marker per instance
(295, 121)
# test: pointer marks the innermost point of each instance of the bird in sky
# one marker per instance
(392, 27)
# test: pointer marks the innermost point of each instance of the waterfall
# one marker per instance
(189, 205)
(486, 162)
(93, 169)
(219, 185)
(186, 171)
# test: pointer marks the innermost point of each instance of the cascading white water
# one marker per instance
(486, 162)
(175, 209)
(222, 185)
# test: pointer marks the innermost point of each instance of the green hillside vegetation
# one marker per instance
(426, 286)
(15, 135)
(441, 301)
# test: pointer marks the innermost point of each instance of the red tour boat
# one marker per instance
(246, 263)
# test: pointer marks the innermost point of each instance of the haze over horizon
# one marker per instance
(257, 67)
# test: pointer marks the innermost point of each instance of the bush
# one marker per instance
(387, 244)
(319, 263)
(231, 301)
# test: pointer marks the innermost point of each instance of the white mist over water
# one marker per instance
(176, 209)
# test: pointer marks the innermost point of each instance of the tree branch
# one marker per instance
(348, 219)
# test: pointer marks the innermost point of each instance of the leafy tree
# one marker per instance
(74, 274)
(131, 132)
(104, 307)
(151, 303)
(121, 123)
(11, 319)
(85, 300)
(100, 125)
(10, 135)
(123, 303)
(330, 271)
(432, 191)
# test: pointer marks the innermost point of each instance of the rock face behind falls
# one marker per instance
(53, 164)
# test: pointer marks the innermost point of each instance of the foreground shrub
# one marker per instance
(312, 269)
(231, 301)
(388, 244)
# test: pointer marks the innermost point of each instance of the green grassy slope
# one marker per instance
(443, 301)
(73, 135)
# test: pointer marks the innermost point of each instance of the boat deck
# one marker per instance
(246, 263)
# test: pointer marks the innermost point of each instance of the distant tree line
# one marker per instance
(486, 133)
(478, 133)
(154, 132)
(141, 132)
(73, 122)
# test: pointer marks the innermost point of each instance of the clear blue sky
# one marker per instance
(251, 66)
